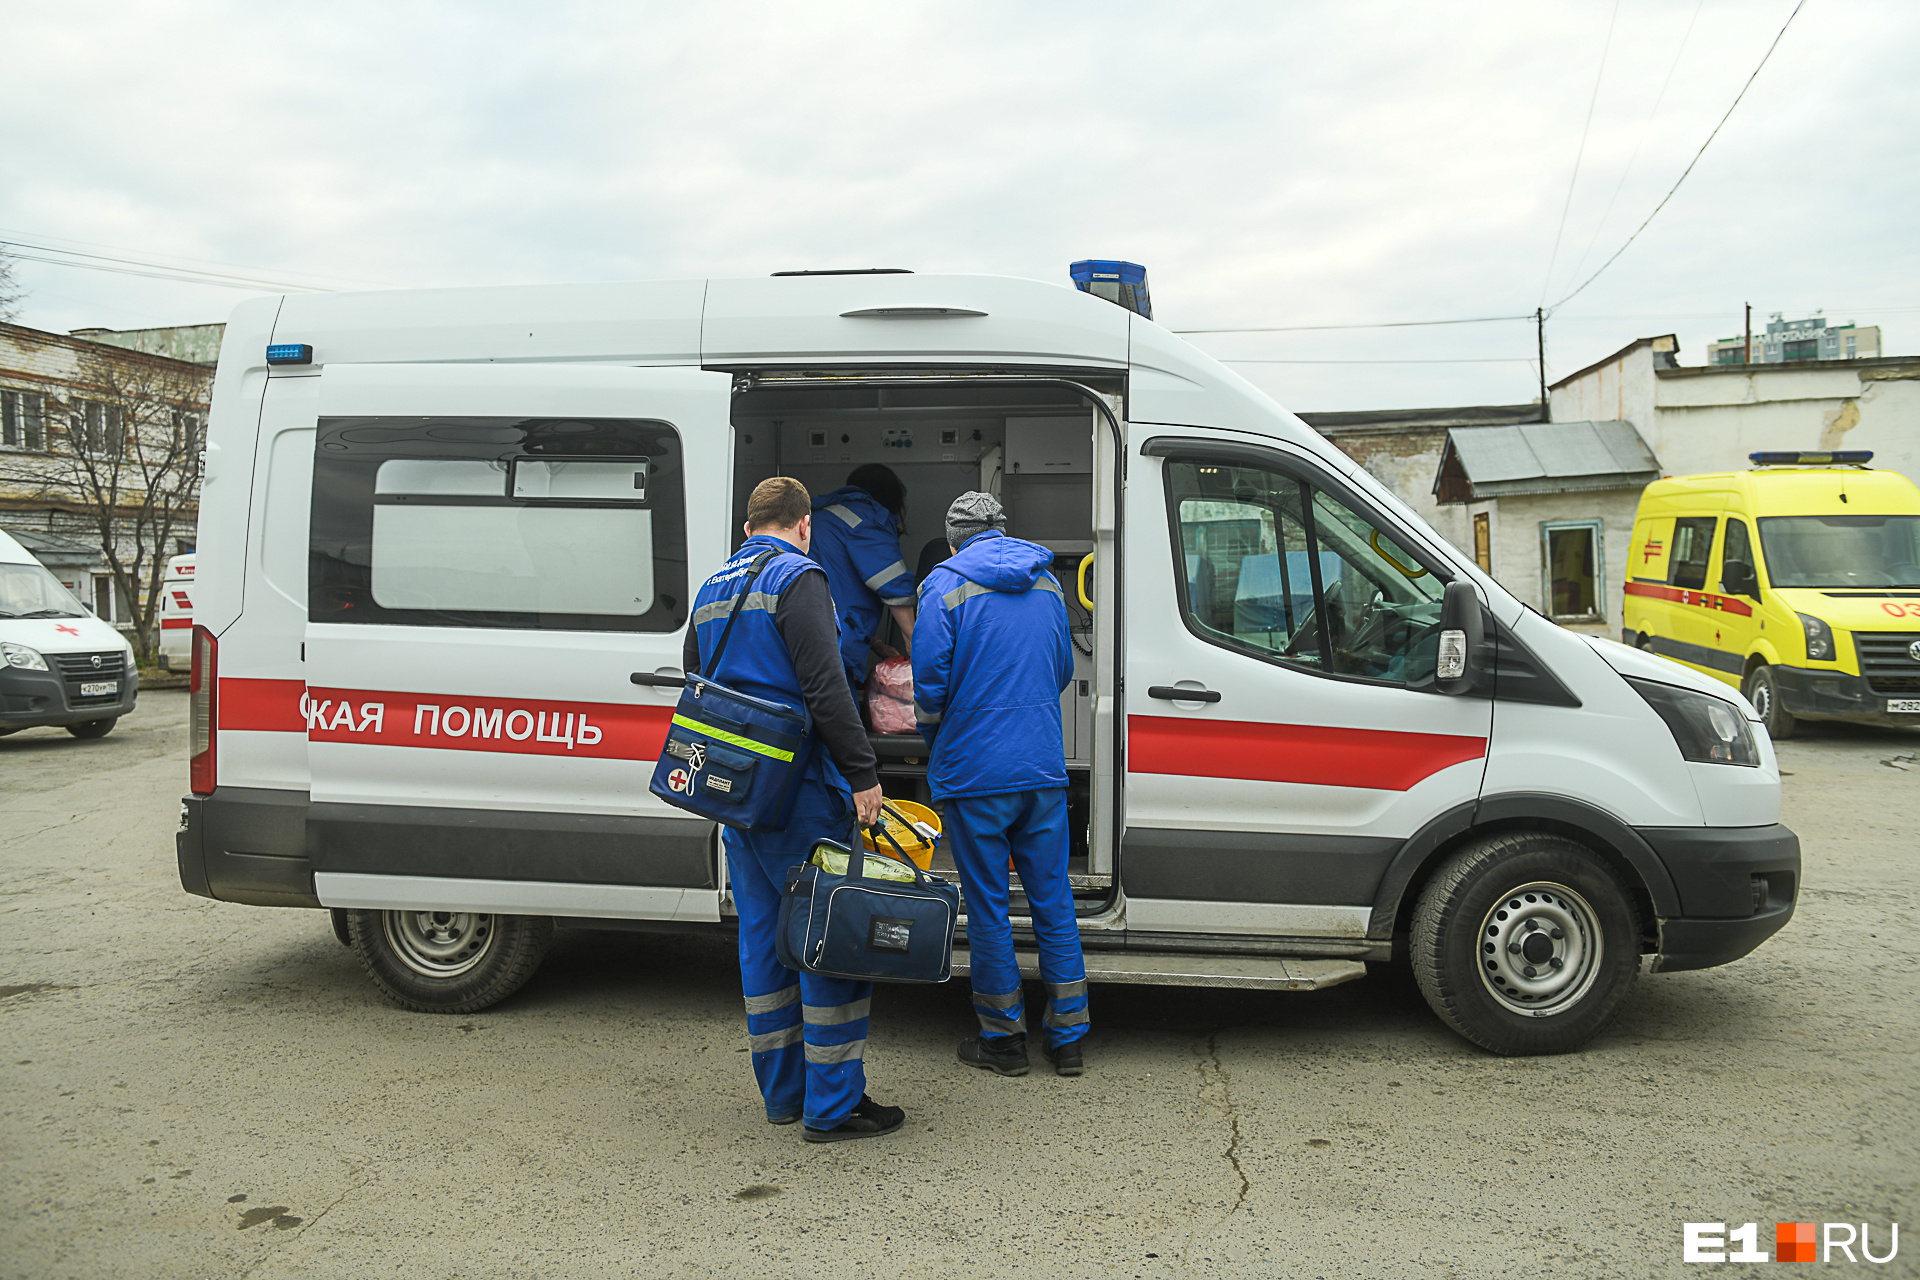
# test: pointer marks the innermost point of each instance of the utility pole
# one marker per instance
(1540, 350)
(1749, 358)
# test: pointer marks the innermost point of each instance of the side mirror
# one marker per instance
(1462, 633)
(1740, 579)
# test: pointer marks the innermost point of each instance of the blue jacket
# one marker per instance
(857, 542)
(756, 661)
(990, 659)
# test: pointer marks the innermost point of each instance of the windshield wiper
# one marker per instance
(48, 613)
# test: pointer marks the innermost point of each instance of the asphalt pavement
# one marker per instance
(198, 1089)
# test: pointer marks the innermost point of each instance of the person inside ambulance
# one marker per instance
(991, 656)
(808, 1033)
(856, 538)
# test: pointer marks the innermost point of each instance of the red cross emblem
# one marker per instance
(69, 630)
(679, 781)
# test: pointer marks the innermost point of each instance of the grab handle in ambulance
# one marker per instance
(1081, 575)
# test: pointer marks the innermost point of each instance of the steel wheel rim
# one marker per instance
(1517, 949)
(1762, 697)
(439, 944)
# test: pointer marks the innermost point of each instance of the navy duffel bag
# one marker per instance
(873, 930)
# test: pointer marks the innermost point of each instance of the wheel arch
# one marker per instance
(1613, 841)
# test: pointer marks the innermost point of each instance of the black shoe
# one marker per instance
(1066, 1059)
(1010, 1061)
(869, 1120)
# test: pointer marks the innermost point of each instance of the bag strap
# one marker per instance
(733, 614)
(857, 863)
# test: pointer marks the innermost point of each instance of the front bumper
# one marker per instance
(1738, 887)
(1835, 695)
(30, 699)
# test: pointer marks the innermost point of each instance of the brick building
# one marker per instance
(100, 452)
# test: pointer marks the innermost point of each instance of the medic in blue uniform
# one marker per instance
(808, 1033)
(991, 657)
(856, 538)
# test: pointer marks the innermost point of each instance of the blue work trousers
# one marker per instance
(1031, 828)
(808, 1033)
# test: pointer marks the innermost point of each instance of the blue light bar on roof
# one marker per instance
(1804, 458)
(289, 353)
(1122, 283)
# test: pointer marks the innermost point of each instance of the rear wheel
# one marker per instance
(1525, 944)
(448, 961)
(1763, 691)
(93, 728)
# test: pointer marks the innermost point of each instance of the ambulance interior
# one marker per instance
(1030, 446)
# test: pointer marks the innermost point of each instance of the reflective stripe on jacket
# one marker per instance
(990, 659)
(756, 661)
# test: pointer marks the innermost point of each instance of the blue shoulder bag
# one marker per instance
(871, 930)
(729, 756)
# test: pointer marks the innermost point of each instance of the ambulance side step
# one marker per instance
(1267, 973)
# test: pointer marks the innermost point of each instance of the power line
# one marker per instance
(1580, 153)
(1645, 129)
(154, 270)
(1691, 163)
(53, 244)
(1384, 324)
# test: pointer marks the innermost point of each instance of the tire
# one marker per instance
(448, 961)
(93, 728)
(1467, 940)
(1763, 691)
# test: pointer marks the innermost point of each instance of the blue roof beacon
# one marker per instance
(1122, 283)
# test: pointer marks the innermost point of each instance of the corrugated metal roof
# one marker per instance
(1549, 457)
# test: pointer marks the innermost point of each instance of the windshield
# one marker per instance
(29, 591)
(1842, 551)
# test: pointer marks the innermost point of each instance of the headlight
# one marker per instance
(18, 655)
(1819, 638)
(1709, 730)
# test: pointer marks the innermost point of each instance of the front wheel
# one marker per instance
(1525, 944)
(1763, 691)
(448, 961)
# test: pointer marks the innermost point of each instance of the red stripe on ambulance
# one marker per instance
(1698, 599)
(457, 722)
(1379, 759)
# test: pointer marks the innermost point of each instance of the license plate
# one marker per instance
(99, 688)
(1909, 705)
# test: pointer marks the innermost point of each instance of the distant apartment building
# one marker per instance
(1791, 341)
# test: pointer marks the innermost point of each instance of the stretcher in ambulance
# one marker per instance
(450, 537)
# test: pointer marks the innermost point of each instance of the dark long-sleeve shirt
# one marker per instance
(805, 621)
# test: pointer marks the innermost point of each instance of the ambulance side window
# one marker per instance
(557, 524)
(1692, 545)
(1272, 566)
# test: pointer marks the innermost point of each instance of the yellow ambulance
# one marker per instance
(1797, 581)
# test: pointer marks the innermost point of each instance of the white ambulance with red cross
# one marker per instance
(449, 540)
(176, 614)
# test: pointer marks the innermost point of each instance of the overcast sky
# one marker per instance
(1271, 163)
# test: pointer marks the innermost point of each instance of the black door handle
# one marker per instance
(1173, 693)
(662, 682)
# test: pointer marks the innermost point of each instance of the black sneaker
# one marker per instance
(1066, 1059)
(1010, 1061)
(869, 1120)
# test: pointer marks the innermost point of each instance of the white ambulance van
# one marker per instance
(59, 665)
(451, 538)
(176, 614)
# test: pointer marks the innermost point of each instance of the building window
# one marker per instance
(22, 420)
(1573, 570)
(94, 428)
(1801, 349)
(1483, 542)
(1850, 346)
